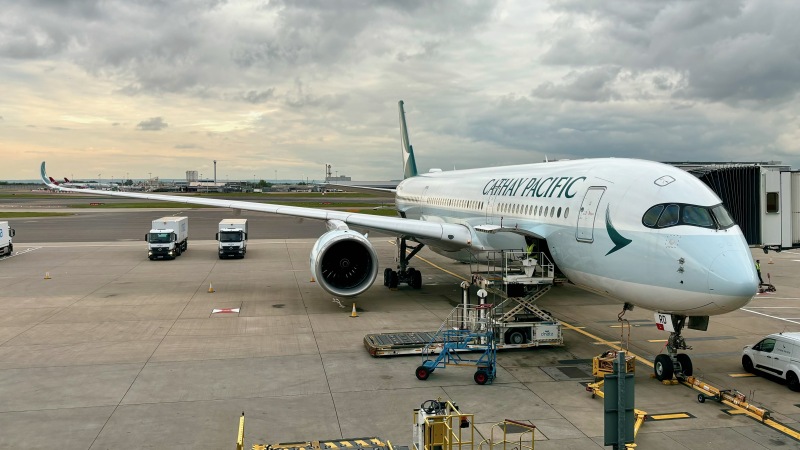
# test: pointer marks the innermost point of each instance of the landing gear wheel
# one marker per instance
(663, 367)
(686, 364)
(423, 373)
(387, 274)
(747, 364)
(393, 280)
(416, 279)
(481, 377)
(516, 337)
(792, 381)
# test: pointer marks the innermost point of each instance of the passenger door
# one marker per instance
(588, 212)
(763, 357)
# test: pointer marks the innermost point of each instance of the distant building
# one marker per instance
(191, 175)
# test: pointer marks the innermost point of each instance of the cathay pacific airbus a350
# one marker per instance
(640, 232)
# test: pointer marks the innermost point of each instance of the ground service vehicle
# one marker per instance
(777, 354)
(232, 238)
(168, 238)
(6, 233)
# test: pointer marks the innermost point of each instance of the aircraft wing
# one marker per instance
(451, 235)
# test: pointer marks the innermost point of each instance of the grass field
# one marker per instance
(15, 214)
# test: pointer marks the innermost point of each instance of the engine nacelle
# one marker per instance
(344, 263)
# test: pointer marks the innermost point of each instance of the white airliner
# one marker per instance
(643, 233)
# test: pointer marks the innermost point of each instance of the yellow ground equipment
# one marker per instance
(730, 397)
(438, 425)
(604, 365)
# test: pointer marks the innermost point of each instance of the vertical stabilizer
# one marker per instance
(409, 164)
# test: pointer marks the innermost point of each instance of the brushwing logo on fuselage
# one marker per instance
(618, 240)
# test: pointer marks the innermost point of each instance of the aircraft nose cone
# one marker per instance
(733, 275)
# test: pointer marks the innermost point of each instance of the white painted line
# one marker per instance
(767, 315)
(27, 250)
(774, 307)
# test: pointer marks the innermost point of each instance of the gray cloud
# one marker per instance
(592, 85)
(276, 84)
(152, 124)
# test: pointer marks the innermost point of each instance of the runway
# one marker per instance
(115, 350)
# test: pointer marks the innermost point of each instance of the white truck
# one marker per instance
(168, 238)
(232, 238)
(6, 233)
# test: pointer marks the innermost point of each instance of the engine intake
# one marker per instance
(344, 263)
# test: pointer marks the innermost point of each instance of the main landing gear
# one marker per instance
(403, 274)
(673, 363)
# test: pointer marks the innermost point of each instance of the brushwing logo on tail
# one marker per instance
(618, 240)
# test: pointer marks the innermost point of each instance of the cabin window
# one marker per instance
(545, 211)
(772, 202)
(558, 214)
(552, 211)
(566, 212)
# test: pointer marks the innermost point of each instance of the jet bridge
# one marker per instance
(512, 281)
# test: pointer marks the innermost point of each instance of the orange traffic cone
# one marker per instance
(211, 288)
(770, 261)
(354, 313)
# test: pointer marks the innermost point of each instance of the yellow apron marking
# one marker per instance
(331, 445)
(377, 442)
(656, 340)
(740, 375)
(346, 444)
(361, 443)
(735, 412)
(606, 342)
(669, 416)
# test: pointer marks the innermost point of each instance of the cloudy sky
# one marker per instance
(268, 88)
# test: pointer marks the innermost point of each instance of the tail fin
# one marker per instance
(67, 180)
(409, 163)
(53, 181)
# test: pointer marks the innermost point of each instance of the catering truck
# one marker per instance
(232, 237)
(6, 233)
(168, 238)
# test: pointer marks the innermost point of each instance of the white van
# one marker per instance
(777, 354)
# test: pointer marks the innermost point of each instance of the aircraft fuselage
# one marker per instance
(592, 215)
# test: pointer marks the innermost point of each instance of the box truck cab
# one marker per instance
(778, 355)
(232, 238)
(168, 238)
(6, 233)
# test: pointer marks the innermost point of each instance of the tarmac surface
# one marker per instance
(116, 351)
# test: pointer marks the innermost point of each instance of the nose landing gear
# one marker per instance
(673, 363)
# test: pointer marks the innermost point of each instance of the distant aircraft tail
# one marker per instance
(67, 180)
(409, 163)
(53, 181)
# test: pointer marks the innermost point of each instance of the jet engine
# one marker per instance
(343, 262)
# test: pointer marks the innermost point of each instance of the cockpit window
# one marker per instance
(672, 214)
(669, 217)
(696, 215)
(723, 217)
(651, 216)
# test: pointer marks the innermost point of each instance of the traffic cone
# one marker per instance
(47, 275)
(354, 313)
(210, 288)
(313, 280)
(770, 260)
